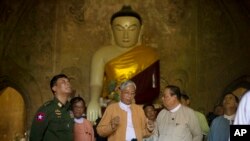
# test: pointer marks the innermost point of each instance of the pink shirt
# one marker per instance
(83, 131)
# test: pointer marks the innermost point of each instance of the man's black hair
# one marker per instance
(148, 105)
(75, 100)
(236, 97)
(175, 90)
(54, 80)
(185, 96)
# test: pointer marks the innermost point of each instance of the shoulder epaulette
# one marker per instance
(47, 103)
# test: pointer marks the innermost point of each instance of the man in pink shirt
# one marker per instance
(83, 129)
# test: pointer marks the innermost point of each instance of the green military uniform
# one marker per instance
(52, 122)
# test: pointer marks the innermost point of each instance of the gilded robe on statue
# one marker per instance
(140, 64)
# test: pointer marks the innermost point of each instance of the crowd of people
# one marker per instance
(61, 119)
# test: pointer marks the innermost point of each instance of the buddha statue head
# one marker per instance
(126, 27)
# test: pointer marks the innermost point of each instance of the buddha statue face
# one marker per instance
(126, 31)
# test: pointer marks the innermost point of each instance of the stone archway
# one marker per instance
(25, 83)
(239, 86)
(13, 115)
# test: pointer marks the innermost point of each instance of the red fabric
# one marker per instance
(145, 92)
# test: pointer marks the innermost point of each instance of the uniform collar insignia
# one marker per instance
(59, 104)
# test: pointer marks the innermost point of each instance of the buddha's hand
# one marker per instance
(93, 111)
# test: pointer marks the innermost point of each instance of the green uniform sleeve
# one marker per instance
(39, 125)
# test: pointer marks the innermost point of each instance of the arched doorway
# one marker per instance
(239, 86)
(13, 114)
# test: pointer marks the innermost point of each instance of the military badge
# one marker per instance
(58, 113)
(40, 116)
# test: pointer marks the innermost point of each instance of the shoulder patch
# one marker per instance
(40, 116)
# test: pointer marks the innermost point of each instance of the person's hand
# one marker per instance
(93, 111)
(150, 125)
(115, 122)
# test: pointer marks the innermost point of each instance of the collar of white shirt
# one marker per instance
(124, 107)
(231, 117)
(176, 108)
(79, 120)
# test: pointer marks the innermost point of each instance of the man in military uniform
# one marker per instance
(52, 121)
